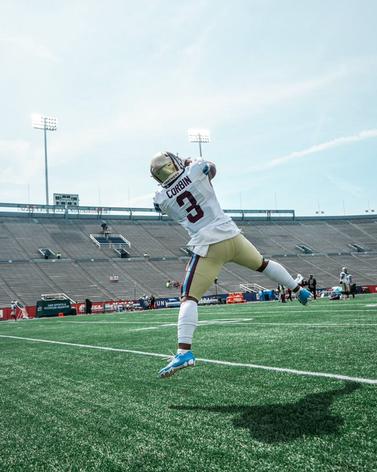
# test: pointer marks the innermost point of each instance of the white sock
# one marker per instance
(182, 351)
(187, 321)
(278, 273)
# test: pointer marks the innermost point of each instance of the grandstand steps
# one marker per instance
(51, 284)
(25, 281)
(167, 237)
(10, 246)
(93, 278)
(370, 261)
(7, 294)
(73, 281)
(304, 237)
(348, 233)
(146, 279)
(160, 269)
(75, 243)
(358, 275)
(368, 235)
(30, 237)
(84, 270)
(142, 240)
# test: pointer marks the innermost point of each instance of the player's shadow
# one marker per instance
(310, 416)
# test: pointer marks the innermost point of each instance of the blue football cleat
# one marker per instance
(303, 296)
(179, 361)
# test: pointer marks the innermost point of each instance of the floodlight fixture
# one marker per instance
(199, 136)
(46, 123)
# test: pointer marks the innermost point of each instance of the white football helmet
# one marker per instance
(166, 167)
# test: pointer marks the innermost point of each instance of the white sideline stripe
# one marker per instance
(316, 325)
(293, 312)
(164, 323)
(243, 322)
(114, 322)
(207, 361)
(149, 328)
(235, 322)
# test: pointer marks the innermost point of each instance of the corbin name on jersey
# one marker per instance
(182, 184)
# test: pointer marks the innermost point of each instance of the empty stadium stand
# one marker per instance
(319, 245)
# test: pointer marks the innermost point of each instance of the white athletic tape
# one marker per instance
(207, 361)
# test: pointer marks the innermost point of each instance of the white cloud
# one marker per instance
(10, 147)
(29, 46)
(144, 200)
(19, 162)
(346, 187)
(334, 143)
(153, 114)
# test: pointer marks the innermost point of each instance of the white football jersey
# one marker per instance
(191, 201)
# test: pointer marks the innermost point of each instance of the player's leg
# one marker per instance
(200, 274)
(247, 255)
(344, 291)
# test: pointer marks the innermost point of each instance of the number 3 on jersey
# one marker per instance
(194, 211)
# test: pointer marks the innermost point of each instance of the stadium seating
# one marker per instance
(84, 269)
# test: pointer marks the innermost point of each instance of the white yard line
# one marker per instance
(113, 322)
(315, 325)
(235, 322)
(207, 361)
(290, 312)
(149, 328)
(162, 323)
(247, 323)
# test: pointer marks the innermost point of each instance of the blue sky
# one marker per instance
(287, 89)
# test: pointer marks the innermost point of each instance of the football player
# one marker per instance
(344, 280)
(186, 195)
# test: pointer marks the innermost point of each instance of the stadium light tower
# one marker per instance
(199, 136)
(47, 123)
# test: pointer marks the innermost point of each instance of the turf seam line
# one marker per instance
(207, 361)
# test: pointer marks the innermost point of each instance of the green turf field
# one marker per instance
(69, 407)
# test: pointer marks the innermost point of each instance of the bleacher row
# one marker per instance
(84, 269)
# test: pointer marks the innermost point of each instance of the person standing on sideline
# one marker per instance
(187, 196)
(344, 283)
(299, 279)
(281, 292)
(88, 306)
(13, 310)
(312, 286)
(351, 285)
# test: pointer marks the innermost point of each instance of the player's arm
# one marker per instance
(208, 169)
(159, 205)
(156, 204)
